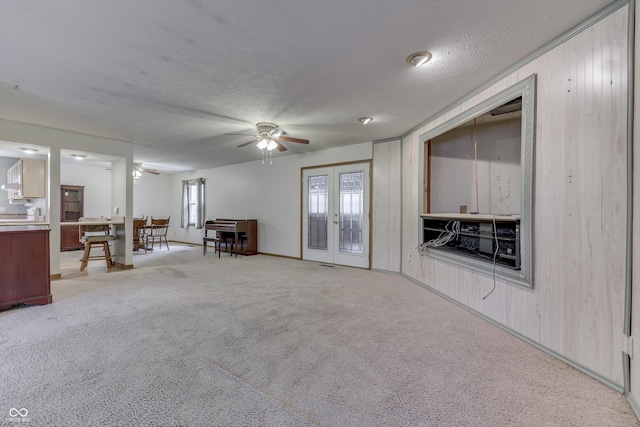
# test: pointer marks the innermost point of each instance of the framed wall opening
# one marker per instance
(477, 175)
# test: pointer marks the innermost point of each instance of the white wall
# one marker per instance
(268, 193)
(152, 197)
(97, 187)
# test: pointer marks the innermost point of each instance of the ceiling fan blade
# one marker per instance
(277, 132)
(243, 134)
(289, 139)
(280, 147)
(155, 172)
(249, 142)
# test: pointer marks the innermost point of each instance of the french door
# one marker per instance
(335, 214)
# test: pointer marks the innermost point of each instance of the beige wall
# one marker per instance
(576, 306)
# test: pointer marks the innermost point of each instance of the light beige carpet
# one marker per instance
(263, 341)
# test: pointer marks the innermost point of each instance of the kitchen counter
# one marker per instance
(106, 221)
(5, 223)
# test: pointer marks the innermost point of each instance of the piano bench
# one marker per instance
(216, 245)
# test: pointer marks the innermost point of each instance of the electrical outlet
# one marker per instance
(410, 259)
(3, 209)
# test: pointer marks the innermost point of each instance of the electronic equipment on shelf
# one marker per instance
(491, 238)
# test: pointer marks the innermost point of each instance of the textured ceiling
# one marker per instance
(173, 77)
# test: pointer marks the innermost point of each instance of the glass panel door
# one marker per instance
(317, 208)
(351, 212)
(318, 213)
(335, 218)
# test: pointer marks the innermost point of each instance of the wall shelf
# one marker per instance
(490, 238)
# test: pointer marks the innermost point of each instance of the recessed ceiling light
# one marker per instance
(28, 150)
(365, 120)
(419, 58)
(78, 156)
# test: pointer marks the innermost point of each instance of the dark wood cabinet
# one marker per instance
(71, 210)
(24, 266)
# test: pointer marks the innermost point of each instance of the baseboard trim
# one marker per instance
(56, 276)
(123, 266)
(379, 270)
(280, 256)
(634, 404)
(185, 243)
(606, 381)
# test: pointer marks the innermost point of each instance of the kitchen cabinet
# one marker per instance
(27, 178)
(71, 210)
(24, 265)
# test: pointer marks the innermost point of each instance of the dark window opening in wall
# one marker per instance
(477, 177)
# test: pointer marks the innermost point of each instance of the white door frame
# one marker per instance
(334, 256)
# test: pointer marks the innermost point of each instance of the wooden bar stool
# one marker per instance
(95, 235)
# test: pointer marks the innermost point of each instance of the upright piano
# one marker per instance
(243, 233)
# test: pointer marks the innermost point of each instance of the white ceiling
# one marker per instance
(173, 77)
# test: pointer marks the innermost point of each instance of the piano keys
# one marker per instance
(242, 232)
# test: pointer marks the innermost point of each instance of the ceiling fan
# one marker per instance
(270, 136)
(138, 169)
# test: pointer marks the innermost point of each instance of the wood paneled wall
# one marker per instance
(576, 306)
(385, 248)
(635, 303)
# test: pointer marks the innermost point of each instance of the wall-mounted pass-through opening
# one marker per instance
(477, 177)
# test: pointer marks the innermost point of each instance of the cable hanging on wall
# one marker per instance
(445, 237)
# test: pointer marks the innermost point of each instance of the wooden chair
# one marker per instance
(157, 232)
(139, 234)
(95, 235)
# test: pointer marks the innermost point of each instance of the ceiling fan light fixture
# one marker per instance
(365, 120)
(262, 144)
(418, 59)
(272, 145)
